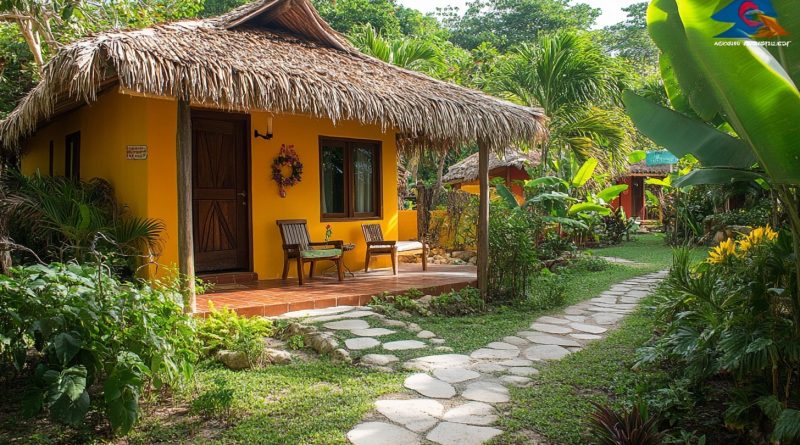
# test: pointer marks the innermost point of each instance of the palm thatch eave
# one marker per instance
(271, 64)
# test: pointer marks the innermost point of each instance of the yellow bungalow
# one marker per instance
(185, 120)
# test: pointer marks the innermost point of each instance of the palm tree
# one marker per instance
(405, 52)
(578, 87)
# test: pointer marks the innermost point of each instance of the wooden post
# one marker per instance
(183, 148)
(483, 219)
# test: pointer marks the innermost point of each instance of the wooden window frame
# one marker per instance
(72, 156)
(349, 213)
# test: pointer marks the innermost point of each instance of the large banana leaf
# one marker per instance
(588, 207)
(667, 30)
(758, 97)
(609, 194)
(716, 176)
(584, 173)
(683, 135)
(789, 18)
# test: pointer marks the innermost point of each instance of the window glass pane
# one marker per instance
(364, 179)
(333, 179)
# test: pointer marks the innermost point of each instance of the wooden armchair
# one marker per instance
(297, 246)
(376, 245)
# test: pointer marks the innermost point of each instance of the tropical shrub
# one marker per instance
(735, 316)
(547, 290)
(64, 219)
(95, 340)
(462, 302)
(224, 329)
(609, 427)
(513, 235)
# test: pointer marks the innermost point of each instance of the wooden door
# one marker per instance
(220, 192)
(637, 197)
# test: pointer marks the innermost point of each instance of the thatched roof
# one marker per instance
(467, 169)
(272, 55)
(642, 169)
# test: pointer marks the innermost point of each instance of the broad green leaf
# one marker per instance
(637, 156)
(507, 196)
(549, 181)
(552, 196)
(608, 194)
(787, 428)
(66, 345)
(567, 222)
(676, 97)
(584, 173)
(67, 397)
(666, 182)
(683, 135)
(757, 96)
(588, 207)
(789, 18)
(716, 176)
(667, 30)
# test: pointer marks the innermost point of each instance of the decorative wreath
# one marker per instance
(286, 158)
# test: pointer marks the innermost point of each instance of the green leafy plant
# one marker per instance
(214, 402)
(224, 329)
(547, 290)
(87, 328)
(64, 219)
(609, 427)
(296, 342)
(455, 303)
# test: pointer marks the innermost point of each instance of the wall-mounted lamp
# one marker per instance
(267, 136)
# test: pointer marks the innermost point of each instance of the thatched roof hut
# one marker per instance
(467, 169)
(642, 169)
(273, 55)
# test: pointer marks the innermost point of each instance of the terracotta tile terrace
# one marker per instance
(276, 297)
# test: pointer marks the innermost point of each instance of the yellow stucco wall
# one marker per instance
(149, 187)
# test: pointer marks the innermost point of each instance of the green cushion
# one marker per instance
(321, 253)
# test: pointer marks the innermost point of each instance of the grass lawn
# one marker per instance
(465, 334)
(315, 402)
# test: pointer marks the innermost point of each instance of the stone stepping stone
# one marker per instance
(402, 345)
(606, 318)
(604, 300)
(516, 341)
(586, 336)
(359, 343)
(346, 315)
(578, 318)
(606, 309)
(551, 320)
(494, 354)
(346, 325)
(637, 293)
(472, 413)
(545, 339)
(380, 433)
(515, 380)
(437, 341)
(379, 359)
(517, 362)
(372, 332)
(394, 323)
(431, 362)
(425, 334)
(448, 433)
(502, 345)
(523, 371)
(629, 300)
(574, 311)
(317, 312)
(588, 328)
(455, 375)
(489, 368)
(489, 392)
(546, 352)
(418, 415)
(550, 328)
(429, 386)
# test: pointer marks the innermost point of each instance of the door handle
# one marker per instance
(242, 194)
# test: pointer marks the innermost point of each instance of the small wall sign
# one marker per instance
(136, 152)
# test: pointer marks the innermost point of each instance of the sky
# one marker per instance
(612, 9)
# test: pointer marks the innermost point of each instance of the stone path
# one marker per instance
(451, 398)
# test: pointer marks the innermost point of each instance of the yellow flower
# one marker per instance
(720, 253)
(757, 236)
